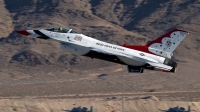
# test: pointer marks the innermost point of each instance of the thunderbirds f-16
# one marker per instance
(156, 55)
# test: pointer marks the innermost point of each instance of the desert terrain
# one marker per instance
(37, 76)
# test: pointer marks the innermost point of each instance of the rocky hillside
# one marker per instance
(115, 21)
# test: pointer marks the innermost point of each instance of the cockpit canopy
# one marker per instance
(61, 29)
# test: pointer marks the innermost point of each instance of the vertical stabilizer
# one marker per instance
(166, 44)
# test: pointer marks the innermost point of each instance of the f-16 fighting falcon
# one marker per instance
(156, 55)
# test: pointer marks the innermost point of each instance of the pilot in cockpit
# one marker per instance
(60, 29)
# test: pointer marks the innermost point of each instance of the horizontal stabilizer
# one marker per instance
(160, 66)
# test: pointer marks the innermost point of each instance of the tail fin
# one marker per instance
(166, 44)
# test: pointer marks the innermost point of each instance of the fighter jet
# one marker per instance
(155, 55)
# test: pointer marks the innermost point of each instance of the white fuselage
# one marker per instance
(156, 55)
(80, 44)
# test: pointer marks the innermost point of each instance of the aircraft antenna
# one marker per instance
(123, 90)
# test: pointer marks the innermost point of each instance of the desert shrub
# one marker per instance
(14, 109)
(152, 90)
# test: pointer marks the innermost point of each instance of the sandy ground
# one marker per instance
(148, 92)
(98, 104)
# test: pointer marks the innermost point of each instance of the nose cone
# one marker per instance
(23, 32)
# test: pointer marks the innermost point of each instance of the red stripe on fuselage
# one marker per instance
(139, 48)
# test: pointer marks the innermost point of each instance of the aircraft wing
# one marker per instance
(160, 66)
(145, 60)
(101, 51)
(154, 63)
(111, 53)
